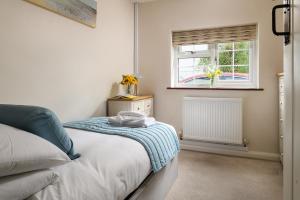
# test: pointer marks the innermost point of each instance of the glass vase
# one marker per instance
(212, 83)
(130, 90)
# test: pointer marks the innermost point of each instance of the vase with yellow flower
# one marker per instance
(212, 74)
(130, 81)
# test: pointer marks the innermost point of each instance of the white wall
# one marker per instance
(52, 61)
(159, 18)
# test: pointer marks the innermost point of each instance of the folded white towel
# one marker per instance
(115, 120)
(124, 116)
(131, 119)
(129, 114)
(148, 121)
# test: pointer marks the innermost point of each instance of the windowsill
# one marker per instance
(216, 88)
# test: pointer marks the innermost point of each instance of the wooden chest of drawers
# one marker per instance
(281, 113)
(142, 104)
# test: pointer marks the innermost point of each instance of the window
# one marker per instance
(235, 58)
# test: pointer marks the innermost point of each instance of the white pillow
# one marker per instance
(22, 186)
(21, 151)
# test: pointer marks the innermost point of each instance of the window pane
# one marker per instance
(241, 57)
(227, 73)
(241, 73)
(186, 62)
(225, 58)
(200, 79)
(187, 48)
(192, 70)
(242, 45)
(192, 77)
(202, 61)
(186, 74)
(233, 60)
(200, 47)
(225, 46)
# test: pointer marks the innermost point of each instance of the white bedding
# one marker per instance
(110, 168)
(20, 186)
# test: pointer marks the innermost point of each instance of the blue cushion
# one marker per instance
(39, 121)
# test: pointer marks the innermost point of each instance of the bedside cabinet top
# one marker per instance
(137, 98)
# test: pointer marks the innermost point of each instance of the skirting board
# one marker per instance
(227, 150)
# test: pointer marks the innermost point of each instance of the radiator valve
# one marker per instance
(180, 134)
(246, 142)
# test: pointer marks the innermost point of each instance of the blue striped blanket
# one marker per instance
(160, 140)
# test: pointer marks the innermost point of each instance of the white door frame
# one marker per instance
(288, 122)
(291, 171)
(296, 100)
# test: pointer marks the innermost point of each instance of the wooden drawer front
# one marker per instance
(147, 113)
(281, 85)
(138, 106)
(281, 115)
(281, 112)
(281, 99)
(281, 144)
(281, 127)
(148, 105)
(281, 106)
(281, 135)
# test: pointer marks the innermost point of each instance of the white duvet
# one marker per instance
(110, 168)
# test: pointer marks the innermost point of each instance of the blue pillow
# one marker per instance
(39, 121)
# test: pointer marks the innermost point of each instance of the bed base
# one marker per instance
(157, 185)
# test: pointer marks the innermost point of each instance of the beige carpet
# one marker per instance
(213, 177)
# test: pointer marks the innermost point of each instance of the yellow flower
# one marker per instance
(129, 80)
(209, 75)
(218, 72)
(212, 73)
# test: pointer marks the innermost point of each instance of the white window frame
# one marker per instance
(212, 52)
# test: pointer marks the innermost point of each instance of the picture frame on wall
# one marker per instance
(83, 11)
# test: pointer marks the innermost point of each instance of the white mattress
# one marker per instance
(110, 168)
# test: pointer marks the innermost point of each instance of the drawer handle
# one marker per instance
(148, 106)
(281, 136)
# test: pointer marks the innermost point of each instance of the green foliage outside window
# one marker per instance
(240, 53)
(204, 61)
(241, 57)
(241, 69)
(225, 58)
(226, 68)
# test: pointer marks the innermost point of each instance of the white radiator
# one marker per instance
(213, 119)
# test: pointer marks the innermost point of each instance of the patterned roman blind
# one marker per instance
(215, 35)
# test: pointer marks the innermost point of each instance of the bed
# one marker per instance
(83, 160)
(111, 167)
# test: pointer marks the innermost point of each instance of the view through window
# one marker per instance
(234, 59)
